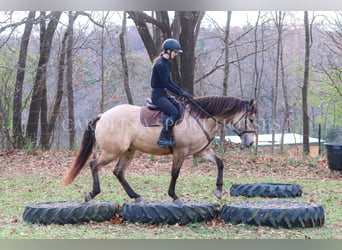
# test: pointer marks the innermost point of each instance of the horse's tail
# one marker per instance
(86, 148)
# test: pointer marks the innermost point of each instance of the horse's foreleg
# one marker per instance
(210, 155)
(219, 180)
(176, 166)
(119, 172)
(96, 182)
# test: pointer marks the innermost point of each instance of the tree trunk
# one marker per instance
(226, 74)
(257, 73)
(279, 25)
(286, 101)
(18, 90)
(59, 93)
(188, 22)
(70, 91)
(144, 33)
(102, 53)
(226, 55)
(306, 125)
(40, 78)
(124, 60)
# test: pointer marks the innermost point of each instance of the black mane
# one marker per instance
(215, 106)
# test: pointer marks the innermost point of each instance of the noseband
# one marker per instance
(245, 131)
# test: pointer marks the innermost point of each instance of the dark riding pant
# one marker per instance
(166, 104)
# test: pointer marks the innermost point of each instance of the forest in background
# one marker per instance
(60, 69)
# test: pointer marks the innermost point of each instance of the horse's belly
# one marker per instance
(146, 141)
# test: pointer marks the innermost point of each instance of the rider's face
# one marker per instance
(173, 54)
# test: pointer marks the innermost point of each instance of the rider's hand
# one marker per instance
(185, 94)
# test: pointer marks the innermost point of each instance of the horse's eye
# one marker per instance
(251, 120)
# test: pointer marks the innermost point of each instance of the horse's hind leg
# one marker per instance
(94, 167)
(119, 171)
(96, 181)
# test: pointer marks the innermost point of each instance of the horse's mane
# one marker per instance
(215, 106)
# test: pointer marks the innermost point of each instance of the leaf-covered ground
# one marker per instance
(34, 177)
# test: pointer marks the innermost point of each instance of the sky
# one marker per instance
(244, 5)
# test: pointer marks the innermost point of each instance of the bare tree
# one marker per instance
(18, 138)
(65, 57)
(226, 72)
(279, 20)
(124, 59)
(38, 101)
(286, 98)
(305, 88)
(184, 27)
(226, 55)
(257, 73)
(70, 90)
(189, 22)
(332, 63)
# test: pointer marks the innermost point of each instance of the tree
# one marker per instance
(18, 138)
(124, 59)
(60, 86)
(226, 55)
(189, 22)
(70, 90)
(185, 28)
(226, 72)
(306, 124)
(38, 106)
(279, 24)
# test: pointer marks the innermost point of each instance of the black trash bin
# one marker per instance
(334, 155)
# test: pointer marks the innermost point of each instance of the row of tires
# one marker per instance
(261, 213)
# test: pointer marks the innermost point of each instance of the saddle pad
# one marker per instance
(152, 118)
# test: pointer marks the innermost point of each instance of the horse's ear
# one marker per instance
(252, 105)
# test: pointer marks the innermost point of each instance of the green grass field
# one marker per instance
(35, 178)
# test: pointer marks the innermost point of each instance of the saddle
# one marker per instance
(152, 116)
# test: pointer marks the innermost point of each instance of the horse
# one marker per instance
(119, 133)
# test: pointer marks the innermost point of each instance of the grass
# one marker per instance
(30, 179)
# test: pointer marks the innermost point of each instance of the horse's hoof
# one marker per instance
(139, 200)
(178, 202)
(218, 194)
(88, 197)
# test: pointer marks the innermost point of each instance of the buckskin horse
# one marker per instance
(119, 133)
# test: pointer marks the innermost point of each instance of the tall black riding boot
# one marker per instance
(163, 141)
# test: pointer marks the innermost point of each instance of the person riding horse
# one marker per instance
(160, 82)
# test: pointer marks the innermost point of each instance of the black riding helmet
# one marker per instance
(172, 44)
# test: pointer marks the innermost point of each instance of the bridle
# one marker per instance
(245, 115)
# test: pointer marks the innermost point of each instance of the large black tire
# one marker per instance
(274, 214)
(166, 212)
(70, 212)
(270, 190)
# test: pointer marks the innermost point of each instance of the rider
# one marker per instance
(160, 81)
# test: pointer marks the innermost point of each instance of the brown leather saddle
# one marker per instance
(151, 115)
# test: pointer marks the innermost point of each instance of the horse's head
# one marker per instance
(244, 125)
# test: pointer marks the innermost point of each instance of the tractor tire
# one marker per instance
(70, 212)
(166, 212)
(269, 190)
(274, 214)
